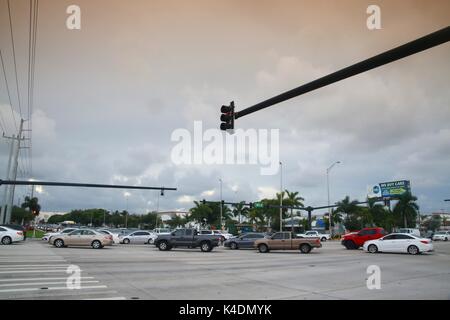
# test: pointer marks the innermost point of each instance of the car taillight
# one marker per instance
(425, 241)
(20, 233)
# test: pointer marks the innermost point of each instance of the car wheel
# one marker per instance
(149, 241)
(233, 245)
(413, 250)
(305, 248)
(58, 243)
(350, 245)
(446, 239)
(372, 248)
(126, 241)
(205, 247)
(263, 248)
(6, 240)
(163, 246)
(96, 244)
(323, 239)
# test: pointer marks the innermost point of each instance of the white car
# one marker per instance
(48, 235)
(315, 234)
(140, 237)
(8, 235)
(115, 236)
(441, 235)
(400, 243)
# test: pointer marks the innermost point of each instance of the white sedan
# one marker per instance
(399, 242)
(8, 235)
(441, 235)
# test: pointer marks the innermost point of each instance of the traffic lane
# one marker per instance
(329, 272)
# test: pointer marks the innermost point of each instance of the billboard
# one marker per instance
(389, 189)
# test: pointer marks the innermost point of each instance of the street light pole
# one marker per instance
(281, 196)
(328, 191)
(220, 204)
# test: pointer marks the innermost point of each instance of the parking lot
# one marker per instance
(35, 270)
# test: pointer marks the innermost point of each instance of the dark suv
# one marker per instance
(189, 238)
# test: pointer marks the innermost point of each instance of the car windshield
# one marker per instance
(440, 232)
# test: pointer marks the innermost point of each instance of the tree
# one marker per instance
(20, 215)
(240, 210)
(434, 223)
(350, 209)
(31, 204)
(201, 214)
(346, 206)
(176, 221)
(405, 210)
(294, 200)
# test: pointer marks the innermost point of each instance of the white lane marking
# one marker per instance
(33, 268)
(41, 283)
(36, 271)
(30, 261)
(50, 288)
(35, 279)
(111, 298)
(32, 265)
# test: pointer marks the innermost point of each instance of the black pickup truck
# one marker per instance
(189, 238)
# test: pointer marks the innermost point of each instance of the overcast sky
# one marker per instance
(109, 96)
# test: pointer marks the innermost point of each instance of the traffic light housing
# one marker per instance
(203, 201)
(250, 205)
(227, 117)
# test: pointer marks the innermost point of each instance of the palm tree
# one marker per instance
(406, 208)
(346, 206)
(294, 200)
(240, 210)
(32, 204)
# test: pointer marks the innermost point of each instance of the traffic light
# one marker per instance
(227, 117)
(204, 201)
(35, 212)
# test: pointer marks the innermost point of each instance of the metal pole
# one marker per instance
(221, 227)
(14, 174)
(126, 215)
(418, 45)
(281, 196)
(7, 188)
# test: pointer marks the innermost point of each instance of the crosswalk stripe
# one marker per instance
(51, 288)
(111, 298)
(32, 265)
(41, 283)
(35, 271)
(35, 279)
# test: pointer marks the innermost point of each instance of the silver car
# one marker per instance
(138, 237)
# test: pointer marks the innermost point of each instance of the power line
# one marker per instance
(14, 56)
(7, 90)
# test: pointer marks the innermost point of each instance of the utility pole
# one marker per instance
(8, 175)
(14, 173)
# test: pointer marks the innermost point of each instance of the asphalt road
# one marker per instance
(36, 270)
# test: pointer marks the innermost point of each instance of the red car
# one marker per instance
(354, 240)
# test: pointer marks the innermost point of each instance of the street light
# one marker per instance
(220, 203)
(328, 189)
(281, 196)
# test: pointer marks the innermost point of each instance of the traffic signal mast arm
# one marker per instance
(418, 45)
